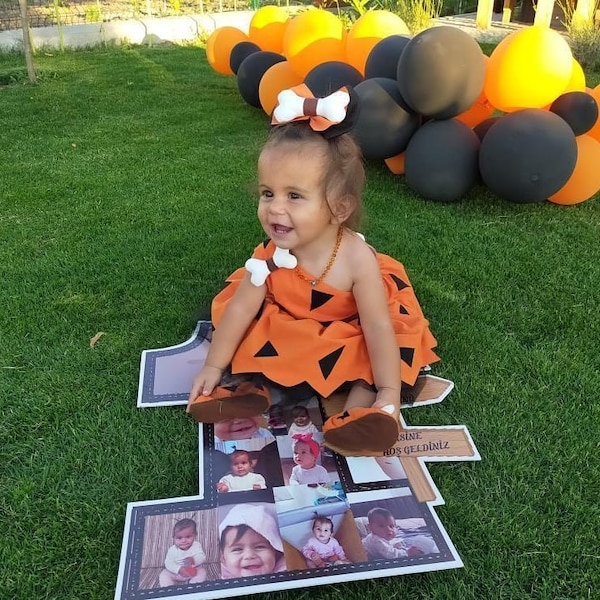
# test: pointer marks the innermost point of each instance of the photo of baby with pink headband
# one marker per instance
(305, 454)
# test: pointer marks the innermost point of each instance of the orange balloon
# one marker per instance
(529, 68)
(396, 163)
(313, 37)
(585, 180)
(479, 111)
(368, 30)
(277, 78)
(267, 28)
(595, 130)
(219, 47)
(577, 81)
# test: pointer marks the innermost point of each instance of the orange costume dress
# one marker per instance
(305, 334)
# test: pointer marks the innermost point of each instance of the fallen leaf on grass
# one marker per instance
(95, 339)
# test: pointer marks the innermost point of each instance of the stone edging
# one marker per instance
(140, 31)
(155, 30)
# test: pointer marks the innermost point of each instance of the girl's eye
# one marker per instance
(266, 194)
(294, 196)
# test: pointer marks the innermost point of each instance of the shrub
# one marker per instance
(584, 34)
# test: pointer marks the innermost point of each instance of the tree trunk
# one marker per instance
(27, 41)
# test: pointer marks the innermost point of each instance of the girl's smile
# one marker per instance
(251, 554)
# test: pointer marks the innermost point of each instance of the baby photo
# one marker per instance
(316, 536)
(291, 413)
(365, 469)
(246, 465)
(179, 548)
(242, 428)
(391, 524)
(249, 540)
(304, 460)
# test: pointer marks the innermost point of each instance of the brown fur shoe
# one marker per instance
(361, 432)
(230, 401)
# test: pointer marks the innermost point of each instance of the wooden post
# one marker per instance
(543, 13)
(507, 10)
(27, 41)
(583, 14)
(483, 19)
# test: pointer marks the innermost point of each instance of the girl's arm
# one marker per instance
(371, 300)
(234, 323)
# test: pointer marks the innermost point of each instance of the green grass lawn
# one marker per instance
(124, 204)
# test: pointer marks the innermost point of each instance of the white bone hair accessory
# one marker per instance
(260, 269)
(291, 106)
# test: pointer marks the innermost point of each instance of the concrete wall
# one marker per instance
(143, 31)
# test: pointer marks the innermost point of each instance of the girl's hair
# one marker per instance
(237, 453)
(184, 524)
(299, 410)
(343, 172)
(322, 521)
(378, 513)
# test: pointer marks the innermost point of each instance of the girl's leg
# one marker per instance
(166, 578)
(391, 466)
(362, 395)
(200, 575)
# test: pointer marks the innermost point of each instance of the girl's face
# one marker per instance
(250, 555)
(237, 429)
(303, 456)
(241, 465)
(301, 419)
(184, 538)
(293, 209)
(322, 531)
(385, 528)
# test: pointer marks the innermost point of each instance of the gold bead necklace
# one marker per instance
(317, 281)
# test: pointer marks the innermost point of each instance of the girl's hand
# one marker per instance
(205, 382)
(222, 487)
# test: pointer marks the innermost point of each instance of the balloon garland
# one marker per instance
(434, 107)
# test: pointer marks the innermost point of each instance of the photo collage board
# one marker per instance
(276, 509)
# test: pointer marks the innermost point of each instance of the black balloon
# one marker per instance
(441, 160)
(482, 128)
(250, 72)
(528, 155)
(383, 58)
(328, 77)
(441, 72)
(385, 124)
(239, 52)
(578, 109)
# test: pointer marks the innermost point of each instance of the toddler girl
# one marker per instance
(250, 543)
(322, 549)
(184, 559)
(301, 422)
(306, 452)
(316, 304)
(241, 476)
